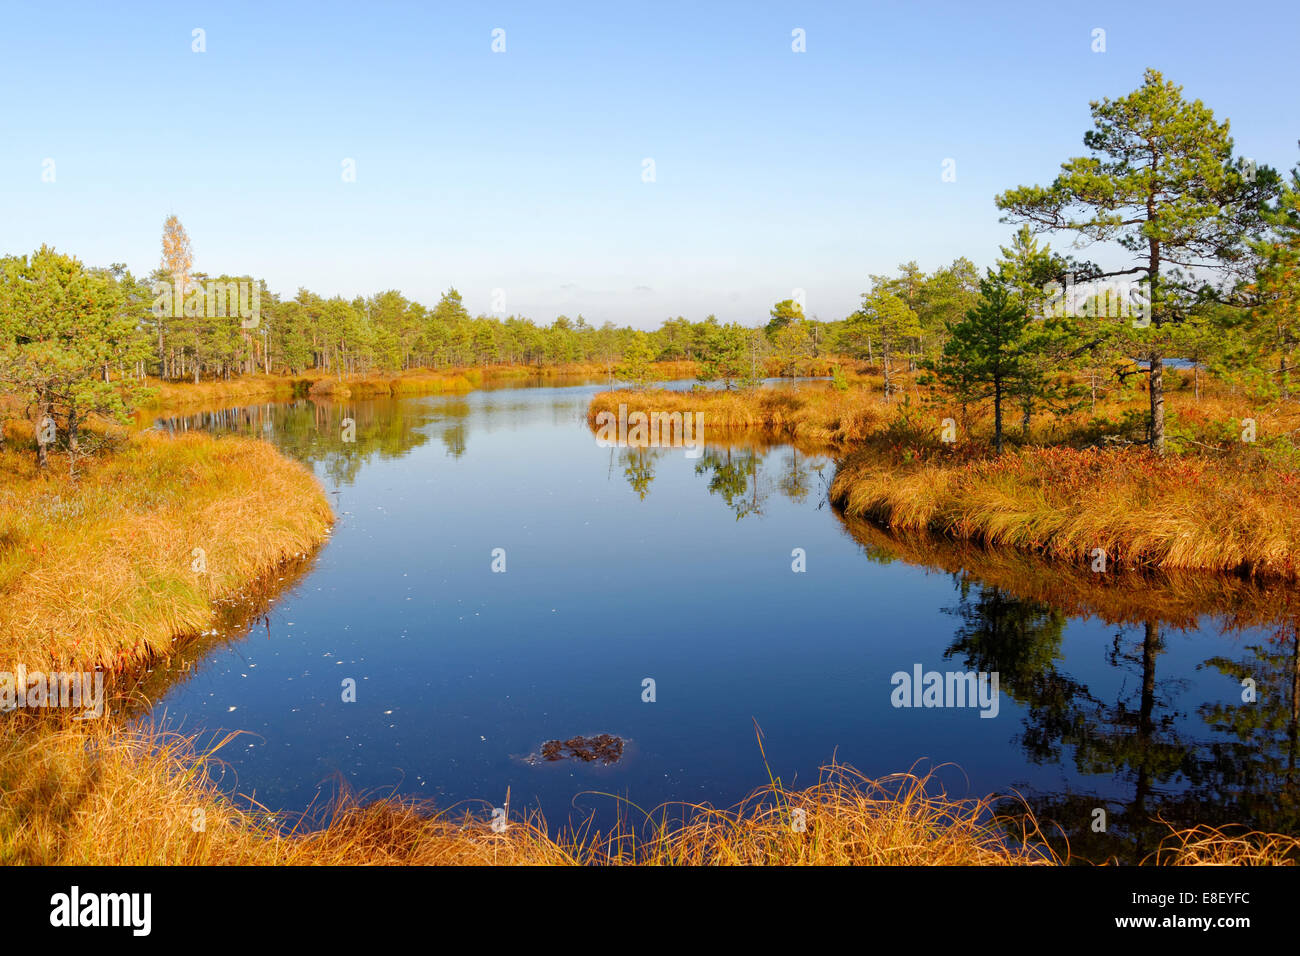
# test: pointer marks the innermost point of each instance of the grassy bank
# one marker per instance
(180, 395)
(102, 570)
(423, 383)
(818, 413)
(1175, 598)
(110, 568)
(137, 798)
(1191, 512)
(172, 395)
(1070, 484)
(810, 414)
(133, 798)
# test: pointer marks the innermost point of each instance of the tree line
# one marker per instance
(1212, 240)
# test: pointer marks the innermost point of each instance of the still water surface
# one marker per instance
(626, 564)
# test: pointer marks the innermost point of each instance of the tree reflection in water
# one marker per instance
(1236, 765)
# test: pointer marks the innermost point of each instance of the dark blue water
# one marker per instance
(627, 564)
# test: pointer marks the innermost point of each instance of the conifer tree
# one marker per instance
(1161, 182)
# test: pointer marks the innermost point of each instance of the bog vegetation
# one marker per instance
(144, 798)
(1142, 407)
(1203, 266)
(1140, 414)
(112, 568)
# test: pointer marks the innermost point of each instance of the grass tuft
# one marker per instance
(101, 571)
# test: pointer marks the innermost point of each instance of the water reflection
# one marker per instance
(1177, 760)
(638, 468)
(795, 479)
(1129, 689)
(1249, 771)
(741, 475)
(340, 436)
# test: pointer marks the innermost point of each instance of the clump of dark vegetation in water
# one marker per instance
(603, 748)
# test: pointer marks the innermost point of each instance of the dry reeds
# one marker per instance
(811, 415)
(1136, 509)
(1226, 846)
(108, 569)
(144, 797)
(72, 797)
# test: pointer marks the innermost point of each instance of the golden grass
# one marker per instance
(454, 380)
(412, 383)
(1226, 846)
(1177, 598)
(1215, 502)
(141, 798)
(117, 798)
(171, 395)
(93, 796)
(101, 570)
(817, 413)
(845, 819)
(807, 414)
(1190, 512)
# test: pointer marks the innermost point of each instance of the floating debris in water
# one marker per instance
(602, 748)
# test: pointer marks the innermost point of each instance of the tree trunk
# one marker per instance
(74, 429)
(997, 417)
(1156, 383)
(42, 446)
(1157, 389)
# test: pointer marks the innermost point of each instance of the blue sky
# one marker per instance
(522, 170)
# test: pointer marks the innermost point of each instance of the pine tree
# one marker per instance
(985, 357)
(61, 325)
(888, 321)
(1160, 182)
(1029, 270)
(724, 353)
(1277, 288)
(638, 359)
(784, 313)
